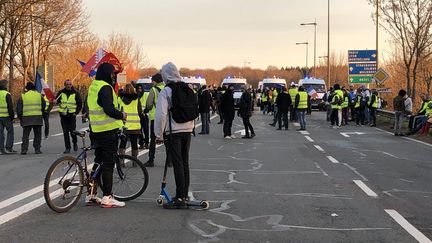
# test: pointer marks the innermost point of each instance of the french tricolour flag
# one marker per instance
(43, 87)
(312, 92)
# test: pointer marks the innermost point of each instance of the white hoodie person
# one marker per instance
(169, 74)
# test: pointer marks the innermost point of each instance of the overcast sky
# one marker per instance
(217, 33)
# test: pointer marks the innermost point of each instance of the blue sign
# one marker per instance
(362, 68)
(362, 56)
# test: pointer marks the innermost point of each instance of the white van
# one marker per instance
(238, 84)
(145, 83)
(196, 82)
(276, 83)
(310, 84)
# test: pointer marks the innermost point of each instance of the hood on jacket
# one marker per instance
(128, 98)
(105, 72)
(170, 73)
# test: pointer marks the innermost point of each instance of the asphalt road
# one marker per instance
(355, 184)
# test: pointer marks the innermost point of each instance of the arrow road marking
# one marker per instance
(345, 134)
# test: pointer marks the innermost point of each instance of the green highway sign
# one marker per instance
(365, 79)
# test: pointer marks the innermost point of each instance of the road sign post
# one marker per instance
(362, 65)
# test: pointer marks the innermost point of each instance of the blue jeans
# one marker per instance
(205, 126)
(301, 118)
(6, 122)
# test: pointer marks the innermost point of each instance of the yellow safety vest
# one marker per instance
(345, 102)
(375, 104)
(357, 102)
(132, 120)
(46, 103)
(143, 99)
(303, 96)
(275, 94)
(68, 104)
(152, 112)
(339, 95)
(428, 110)
(424, 107)
(263, 97)
(99, 121)
(32, 103)
(293, 93)
(3, 104)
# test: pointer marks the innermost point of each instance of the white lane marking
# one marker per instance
(218, 149)
(333, 160)
(296, 124)
(242, 132)
(319, 148)
(309, 139)
(419, 236)
(365, 188)
(18, 143)
(304, 132)
(20, 197)
(57, 134)
(379, 129)
(410, 139)
(344, 134)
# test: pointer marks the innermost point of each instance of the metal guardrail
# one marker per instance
(385, 113)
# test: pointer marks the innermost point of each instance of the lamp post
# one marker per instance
(324, 60)
(307, 47)
(328, 43)
(315, 26)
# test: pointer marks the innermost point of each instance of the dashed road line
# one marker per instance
(304, 132)
(333, 160)
(309, 139)
(419, 236)
(365, 188)
(319, 148)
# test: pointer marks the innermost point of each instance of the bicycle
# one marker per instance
(68, 175)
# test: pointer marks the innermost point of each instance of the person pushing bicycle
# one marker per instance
(105, 122)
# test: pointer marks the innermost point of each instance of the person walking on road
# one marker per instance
(70, 105)
(220, 91)
(177, 133)
(399, 109)
(302, 101)
(359, 108)
(345, 107)
(46, 114)
(336, 116)
(283, 102)
(29, 109)
(293, 91)
(144, 119)
(105, 122)
(373, 106)
(228, 111)
(245, 112)
(6, 118)
(130, 103)
(204, 103)
(151, 106)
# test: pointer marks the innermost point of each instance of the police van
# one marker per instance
(276, 83)
(238, 84)
(145, 83)
(316, 88)
(196, 82)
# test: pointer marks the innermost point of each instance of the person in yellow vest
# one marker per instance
(293, 93)
(359, 108)
(46, 114)
(302, 102)
(336, 103)
(158, 85)
(29, 109)
(144, 119)
(105, 122)
(70, 104)
(6, 119)
(130, 103)
(345, 107)
(373, 106)
(264, 101)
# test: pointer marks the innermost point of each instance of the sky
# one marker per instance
(219, 33)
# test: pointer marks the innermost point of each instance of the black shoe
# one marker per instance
(176, 203)
(396, 134)
(23, 152)
(11, 151)
(220, 123)
(246, 137)
(146, 146)
(38, 151)
(252, 135)
(298, 129)
(278, 128)
(141, 146)
(202, 133)
(67, 151)
(272, 124)
(149, 163)
(75, 147)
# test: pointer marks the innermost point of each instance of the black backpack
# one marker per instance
(184, 102)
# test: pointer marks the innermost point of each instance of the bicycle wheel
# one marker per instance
(63, 184)
(131, 179)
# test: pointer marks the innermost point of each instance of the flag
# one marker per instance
(43, 87)
(92, 72)
(101, 56)
(312, 92)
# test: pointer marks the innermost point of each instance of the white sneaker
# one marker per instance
(91, 200)
(232, 136)
(227, 137)
(110, 202)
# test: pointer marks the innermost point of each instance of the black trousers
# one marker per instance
(152, 149)
(145, 130)
(220, 113)
(133, 138)
(106, 144)
(282, 116)
(45, 117)
(37, 130)
(178, 150)
(373, 115)
(68, 124)
(293, 114)
(248, 126)
(227, 126)
(334, 117)
(360, 116)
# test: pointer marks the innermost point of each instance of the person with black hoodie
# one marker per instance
(228, 111)
(105, 122)
(245, 112)
(204, 103)
(283, 102)
(129, 102)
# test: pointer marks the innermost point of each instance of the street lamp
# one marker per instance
(307, 47)
(315, 26)
(328, 43)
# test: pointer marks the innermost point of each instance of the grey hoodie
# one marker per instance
(169, 74)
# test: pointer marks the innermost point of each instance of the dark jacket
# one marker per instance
(29, 120)
(399, 104)
(9, 105)
(204, 101)
(245, 105)
(283, 102)
(227, 105)
(68, 93)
